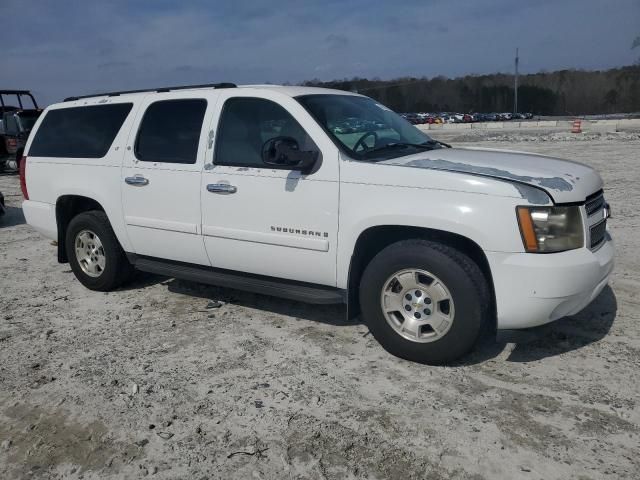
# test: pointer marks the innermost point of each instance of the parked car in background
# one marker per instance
(16, 123)
(424, 118)
(449, 118)
(419, 118)
(411, 118)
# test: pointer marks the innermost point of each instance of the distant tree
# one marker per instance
(538, 100)
(576, 92)
(611, 99)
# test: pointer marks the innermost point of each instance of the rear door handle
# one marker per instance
(137, 181)
(223, 188)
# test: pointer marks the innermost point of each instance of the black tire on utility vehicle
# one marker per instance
(424, 301)
(94, 253)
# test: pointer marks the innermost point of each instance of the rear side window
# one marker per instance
(170, 131)
(79, 132)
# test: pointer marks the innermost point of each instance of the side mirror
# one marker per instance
(285, 153)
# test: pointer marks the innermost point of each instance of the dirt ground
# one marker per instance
(149, 381)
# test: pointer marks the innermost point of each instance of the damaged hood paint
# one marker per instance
(563, 180)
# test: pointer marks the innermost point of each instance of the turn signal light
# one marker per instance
(526, 228)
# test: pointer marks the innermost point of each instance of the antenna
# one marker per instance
(515, 89)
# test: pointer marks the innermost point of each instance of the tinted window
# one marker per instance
(28, 120)
(11, 125)
(79, 132)
(170, 131)
(247, 123)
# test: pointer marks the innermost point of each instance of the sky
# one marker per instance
(61, 48)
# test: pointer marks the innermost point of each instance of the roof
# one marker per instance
(296, 91)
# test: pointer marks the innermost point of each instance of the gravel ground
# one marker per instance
(149, 381)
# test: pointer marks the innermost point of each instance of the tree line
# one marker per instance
(563, 92)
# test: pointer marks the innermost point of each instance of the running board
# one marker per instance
(299, 291)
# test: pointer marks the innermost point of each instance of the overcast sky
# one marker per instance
(67, 47)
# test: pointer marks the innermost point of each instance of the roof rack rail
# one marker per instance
(14, 92)
(18, 94)
(162, 89)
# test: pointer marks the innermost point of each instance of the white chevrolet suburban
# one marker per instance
(321, 196)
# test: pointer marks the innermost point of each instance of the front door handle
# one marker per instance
(223, 188)
(137, 181)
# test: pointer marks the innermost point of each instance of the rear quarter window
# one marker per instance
(79, 132)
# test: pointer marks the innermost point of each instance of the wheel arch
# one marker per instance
(67, 207)
(372, 240)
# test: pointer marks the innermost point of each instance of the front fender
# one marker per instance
(488, 221)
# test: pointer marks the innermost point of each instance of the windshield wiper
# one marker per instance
(438, 142)
(426, 146)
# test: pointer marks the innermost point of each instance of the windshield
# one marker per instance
(364, 128)
(28, 119)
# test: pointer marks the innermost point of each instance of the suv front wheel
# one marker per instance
(424, 301)
(94, 253)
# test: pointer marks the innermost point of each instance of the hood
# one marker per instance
(563, 180)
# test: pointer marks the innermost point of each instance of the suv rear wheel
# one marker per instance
(95, 256)
(424, 301)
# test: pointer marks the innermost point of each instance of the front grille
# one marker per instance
(597, 233)
(597, 213)
(594, 205)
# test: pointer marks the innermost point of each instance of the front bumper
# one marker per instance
(534, 289)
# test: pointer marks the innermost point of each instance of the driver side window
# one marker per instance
(246, 124)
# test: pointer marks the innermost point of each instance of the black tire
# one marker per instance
(18, 160)
(117, 268)
(463, 278)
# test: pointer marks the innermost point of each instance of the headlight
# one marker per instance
(550, 229)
